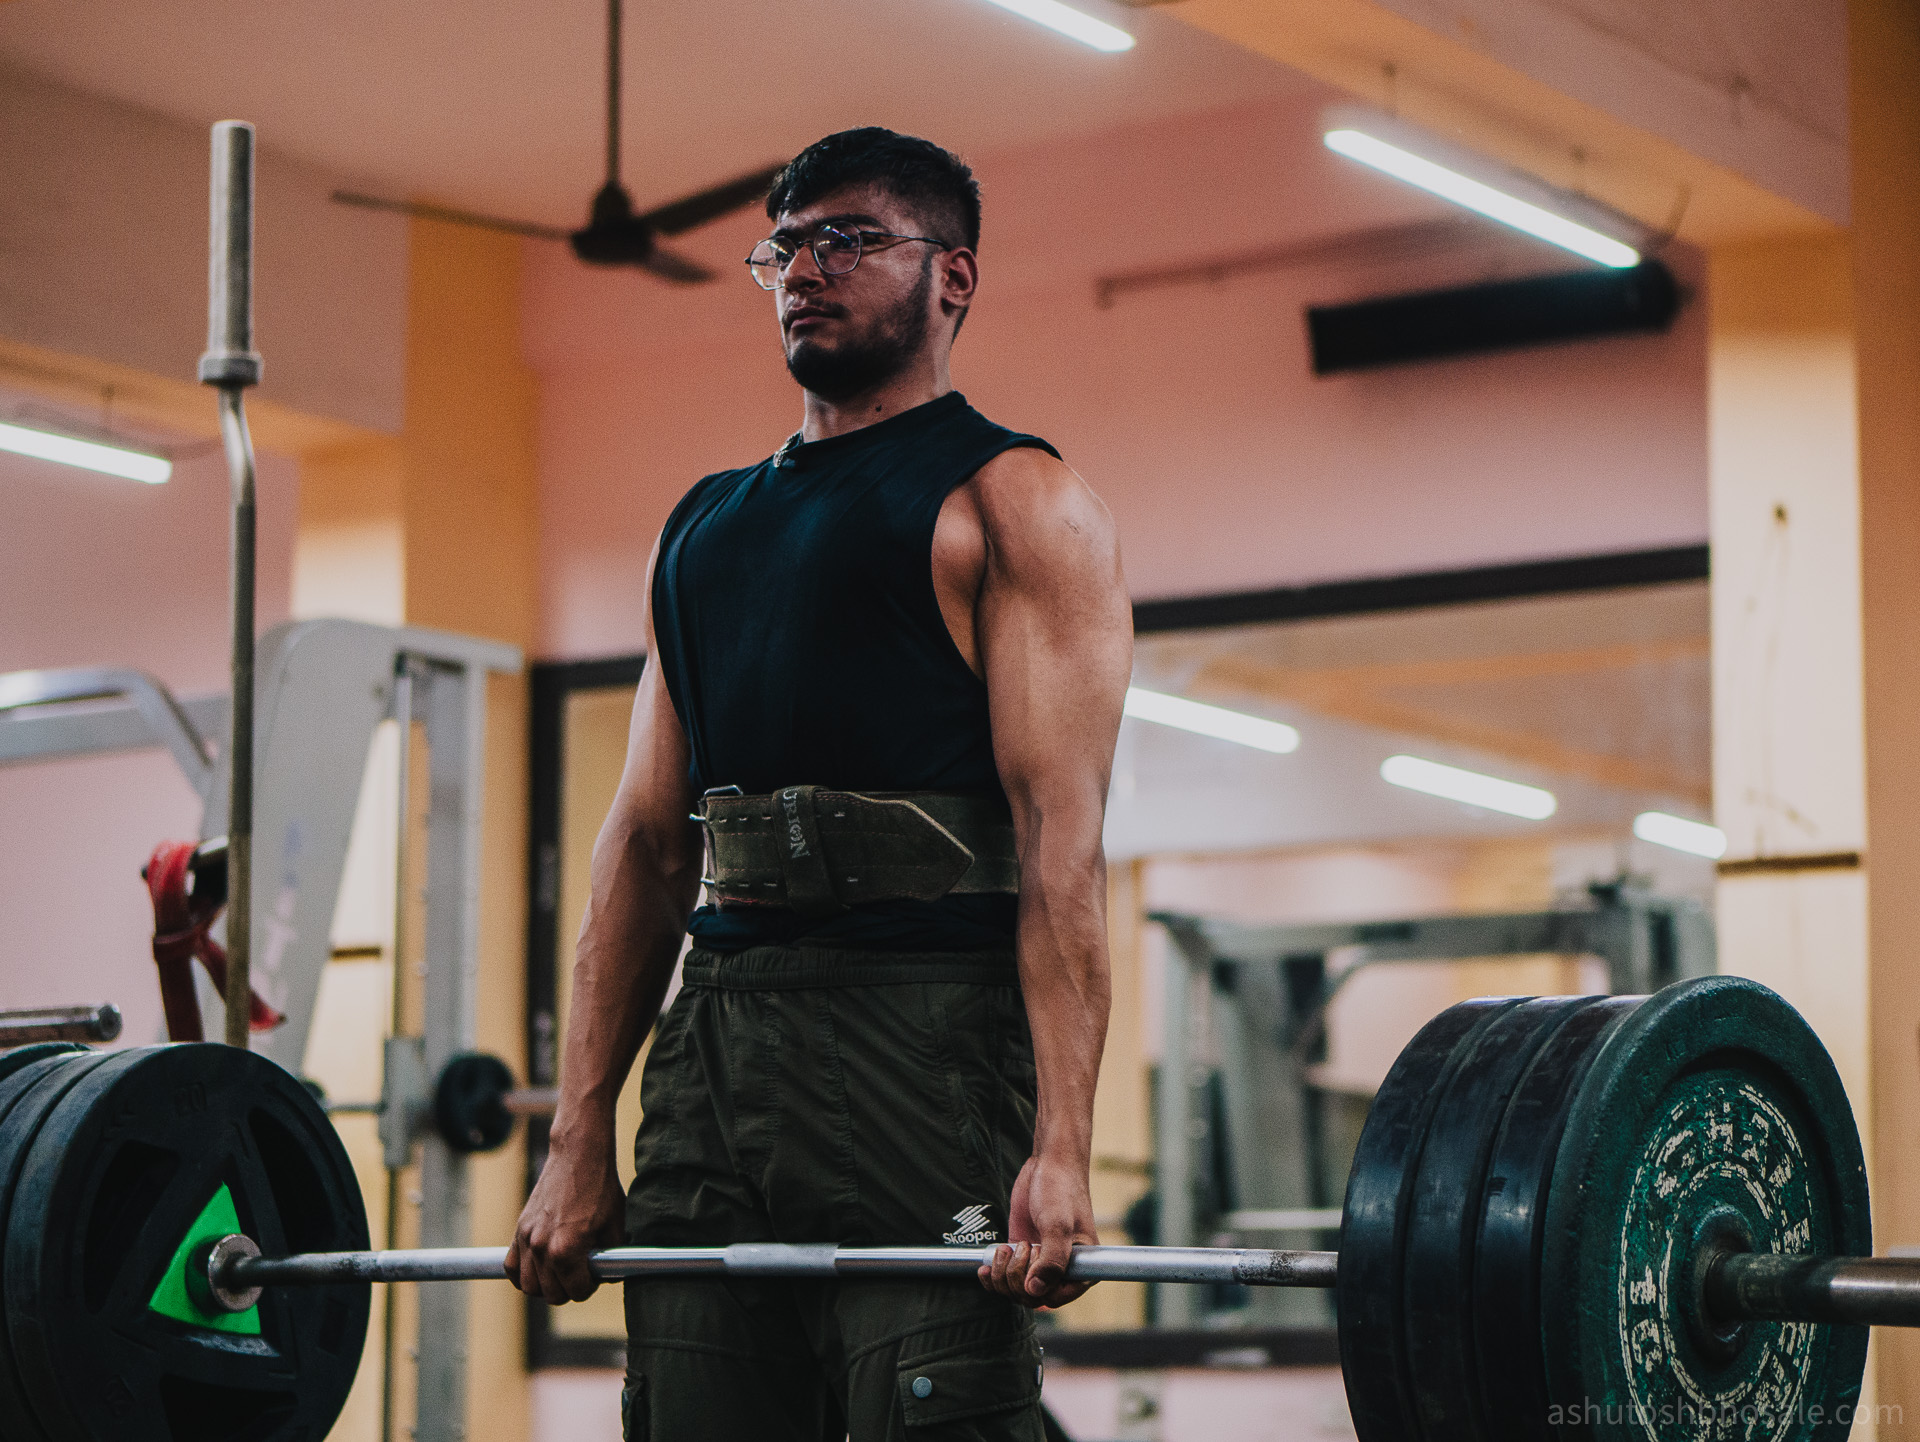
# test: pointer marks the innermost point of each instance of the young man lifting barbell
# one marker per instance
(886, 670)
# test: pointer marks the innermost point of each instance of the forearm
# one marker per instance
(1062, 945)
(636, 919)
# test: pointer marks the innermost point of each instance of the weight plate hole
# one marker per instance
(135, 1180)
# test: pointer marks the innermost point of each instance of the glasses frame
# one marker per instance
(861, 247)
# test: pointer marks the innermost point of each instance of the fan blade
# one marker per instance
(711, 204)
(669, 266)
(457, 217)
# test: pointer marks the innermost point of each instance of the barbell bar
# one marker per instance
(235, 1272)
(1876, 1291)
(24, 1025)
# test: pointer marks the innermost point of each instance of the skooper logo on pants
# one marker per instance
(970, 1227)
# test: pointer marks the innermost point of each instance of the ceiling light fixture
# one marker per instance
(1451, 184)
(1216, 721)
(1070, 22)
(88, 455)
(1455, 784)
(1695, 837)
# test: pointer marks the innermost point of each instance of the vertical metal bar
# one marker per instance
(231, 364)
(403, 719)
(1173, 1138)
(456, 758)
(233, 431)
(613, 92)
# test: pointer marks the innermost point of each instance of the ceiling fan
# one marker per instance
(614, 234)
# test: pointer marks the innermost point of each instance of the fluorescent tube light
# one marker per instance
(1474, 195)
(88, 455)
(1471, 787)
(1217, 721)
(1071, 22)
(1681, 834)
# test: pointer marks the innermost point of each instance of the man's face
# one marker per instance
(845, 334)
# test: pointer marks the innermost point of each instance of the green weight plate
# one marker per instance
(1713, 1111)
(26, 1097)
(1510, 1397)
(1443, 1213)
(132, 1159)
(1373, 1225)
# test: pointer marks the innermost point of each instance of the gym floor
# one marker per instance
(1647, 568)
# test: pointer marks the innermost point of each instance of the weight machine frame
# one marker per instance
(322, 688)
(1646, 941)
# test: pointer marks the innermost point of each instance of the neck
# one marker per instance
(925, 379)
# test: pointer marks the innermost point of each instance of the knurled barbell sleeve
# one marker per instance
(1870, 1291)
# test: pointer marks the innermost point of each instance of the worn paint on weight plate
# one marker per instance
(1720, 1142)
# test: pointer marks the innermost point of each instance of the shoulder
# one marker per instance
(718, 483)
(1034, 505)
(701, 497)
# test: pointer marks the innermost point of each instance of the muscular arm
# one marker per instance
(646, 872)
(1055, 644)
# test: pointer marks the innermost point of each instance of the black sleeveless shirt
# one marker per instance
(801, 642)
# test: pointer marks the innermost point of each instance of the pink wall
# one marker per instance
(1190, 409)
(106, 257)
(96, 571)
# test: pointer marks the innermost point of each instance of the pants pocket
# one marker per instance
(964, 1087)
(995, 1384)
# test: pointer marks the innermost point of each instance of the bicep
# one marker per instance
(1056, 635)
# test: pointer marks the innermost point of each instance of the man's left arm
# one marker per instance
(1055, 633)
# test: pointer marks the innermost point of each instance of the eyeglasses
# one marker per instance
(836, 250)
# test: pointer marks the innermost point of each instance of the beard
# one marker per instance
(862, 363)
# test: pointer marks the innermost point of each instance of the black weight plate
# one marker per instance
(20, 1056)
(1443, 1213)
(1713, 1109)
(124, 1166)
(1373, 1225)
(470, 1102)
(1511, 1370)
(26, 1097)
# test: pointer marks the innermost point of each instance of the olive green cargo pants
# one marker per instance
(811, 1095)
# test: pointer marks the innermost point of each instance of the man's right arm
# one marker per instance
(646, 876)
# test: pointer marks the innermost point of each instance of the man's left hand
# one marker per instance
(1050, 1214)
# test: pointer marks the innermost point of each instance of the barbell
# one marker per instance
(1567, 1218)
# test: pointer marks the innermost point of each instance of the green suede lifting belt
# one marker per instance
(818, 852)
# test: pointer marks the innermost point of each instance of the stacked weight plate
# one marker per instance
(113, 1168)
(1533, 1194)
(1713, 1117)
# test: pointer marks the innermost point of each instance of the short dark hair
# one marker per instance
(936, 183)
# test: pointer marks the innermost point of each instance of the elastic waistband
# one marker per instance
(791, 968)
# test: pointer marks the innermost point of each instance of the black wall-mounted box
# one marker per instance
(1499, 316)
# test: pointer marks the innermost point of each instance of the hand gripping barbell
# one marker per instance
(1567, 1218)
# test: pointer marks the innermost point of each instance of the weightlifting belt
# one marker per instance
(818, 852)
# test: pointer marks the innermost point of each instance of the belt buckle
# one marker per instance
(707, 878)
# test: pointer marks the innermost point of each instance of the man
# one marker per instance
(905, 640)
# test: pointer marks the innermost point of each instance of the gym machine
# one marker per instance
(322, 688)
(1244, 1010)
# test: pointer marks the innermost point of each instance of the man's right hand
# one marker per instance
(576, 1208)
